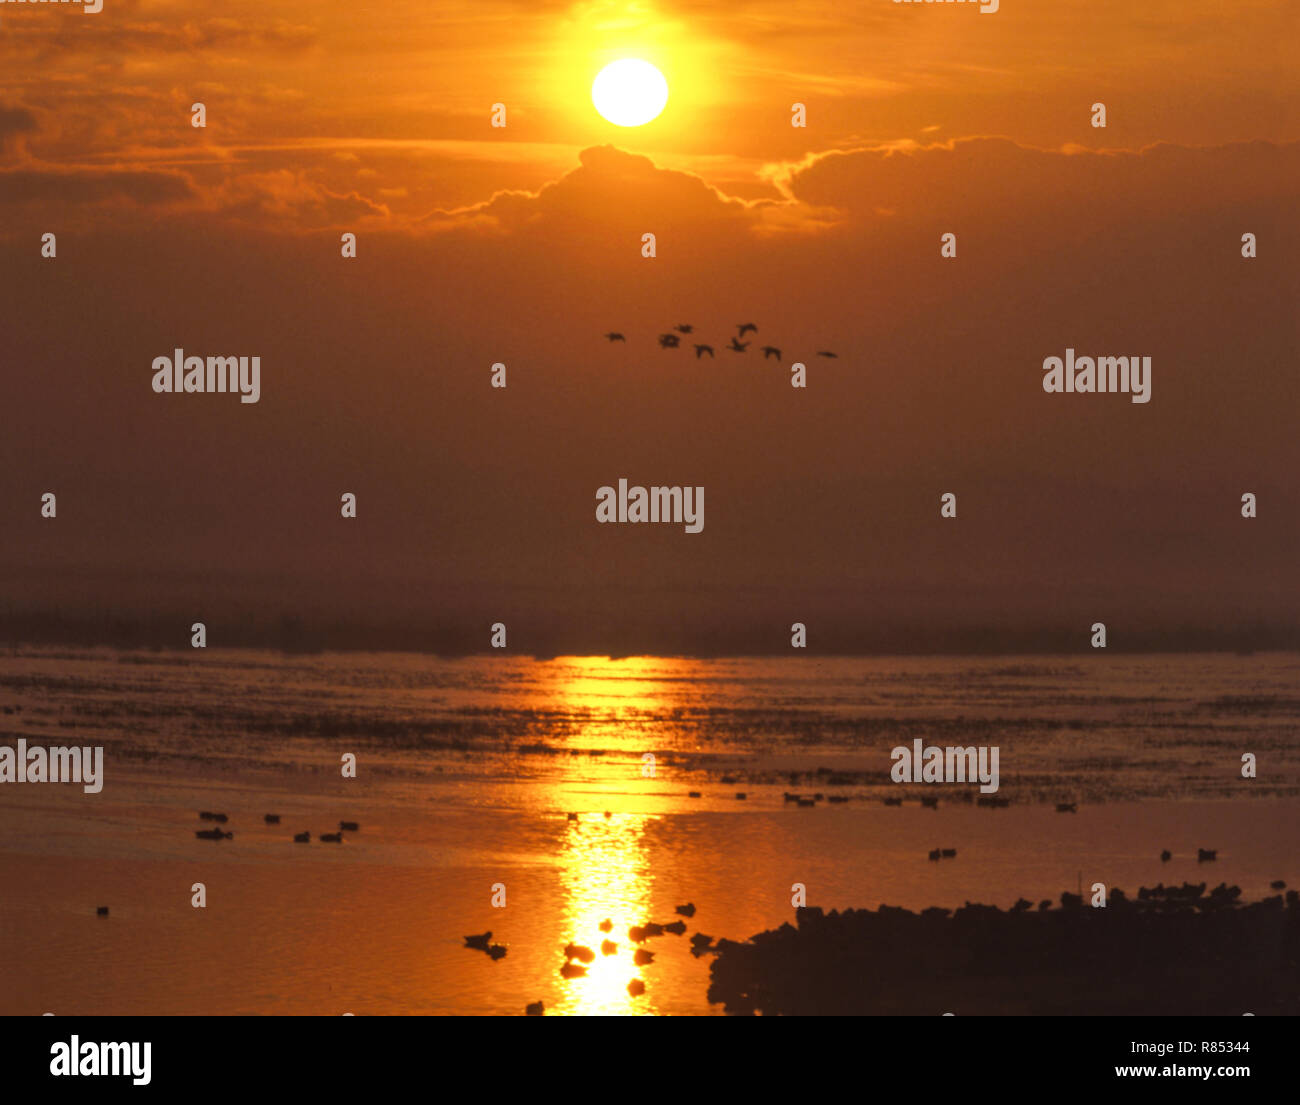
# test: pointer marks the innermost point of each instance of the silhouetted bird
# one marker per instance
(608, 947)
(699, 940)
(683, 328)
(738, 346)
(578, 951)
(1067, 807)
(930, 803)
(677, 928)
(101, 911)
(573, 817)
(1204, 854)
(271, 818)
(652, 928)
(643, 957)
(213, 834)
(1279, 885)
(694, 794)
(669, 341)
(606, 925)
(349, 826)
(741, 795)
(302, 838)
(771, 351)
(826, 353)
(806, 803)
(572, 970)
(935, 854)
(1166, 856)
(614, 335)
(700, 350)
(496, 951)
(535, 1009)
(331, 838)
(480, 941)
(950, 853)
(746, 327)
(636, 934)
(687, 910)
(636, 987)
(208, 816)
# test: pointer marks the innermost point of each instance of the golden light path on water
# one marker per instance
(605, 871)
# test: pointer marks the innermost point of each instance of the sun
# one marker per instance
(630, 92)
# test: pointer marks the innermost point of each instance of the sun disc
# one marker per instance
(629, 93)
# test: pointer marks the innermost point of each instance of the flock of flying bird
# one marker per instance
(673, 340)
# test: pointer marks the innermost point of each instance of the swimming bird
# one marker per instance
(935, 854)
(806, 802)
(614, 335)
(1166, 856)
(101, 911)
(578, 951)
(643, 957)
(694, 794)
(213, 834)
(741, 795)
(683, 328)
(930, 803)
(636, 987)
(771, 351)
(636, 934)
(786, 796)
(606, 925)
(950, 853)
(271, 818)
(534, 1009)
(1204, 854)
(738, 346)
(669, 341)
(206, 815)
(572, 970)
(608, 947)
(479, 941)
(826, 353)
(496, 951)
(302, 838)
(1279, 885)
(687, 910)
(677, 928)
(651, 928)
(700, 940)
(746, 327)
(1067, 807)
(349, 826)
(331, 838)
(573, 817)
(700, 350)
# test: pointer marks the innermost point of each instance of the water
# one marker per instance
(468, 769)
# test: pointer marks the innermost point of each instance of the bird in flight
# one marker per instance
(700, 350)
(738, 346)
(683, 328)
(771, 351)
(826, 353)
(669, 341)
(745, 327)
(615, 336)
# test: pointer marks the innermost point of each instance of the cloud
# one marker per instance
(15, 122)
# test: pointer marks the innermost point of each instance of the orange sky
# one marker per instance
(522, 245)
